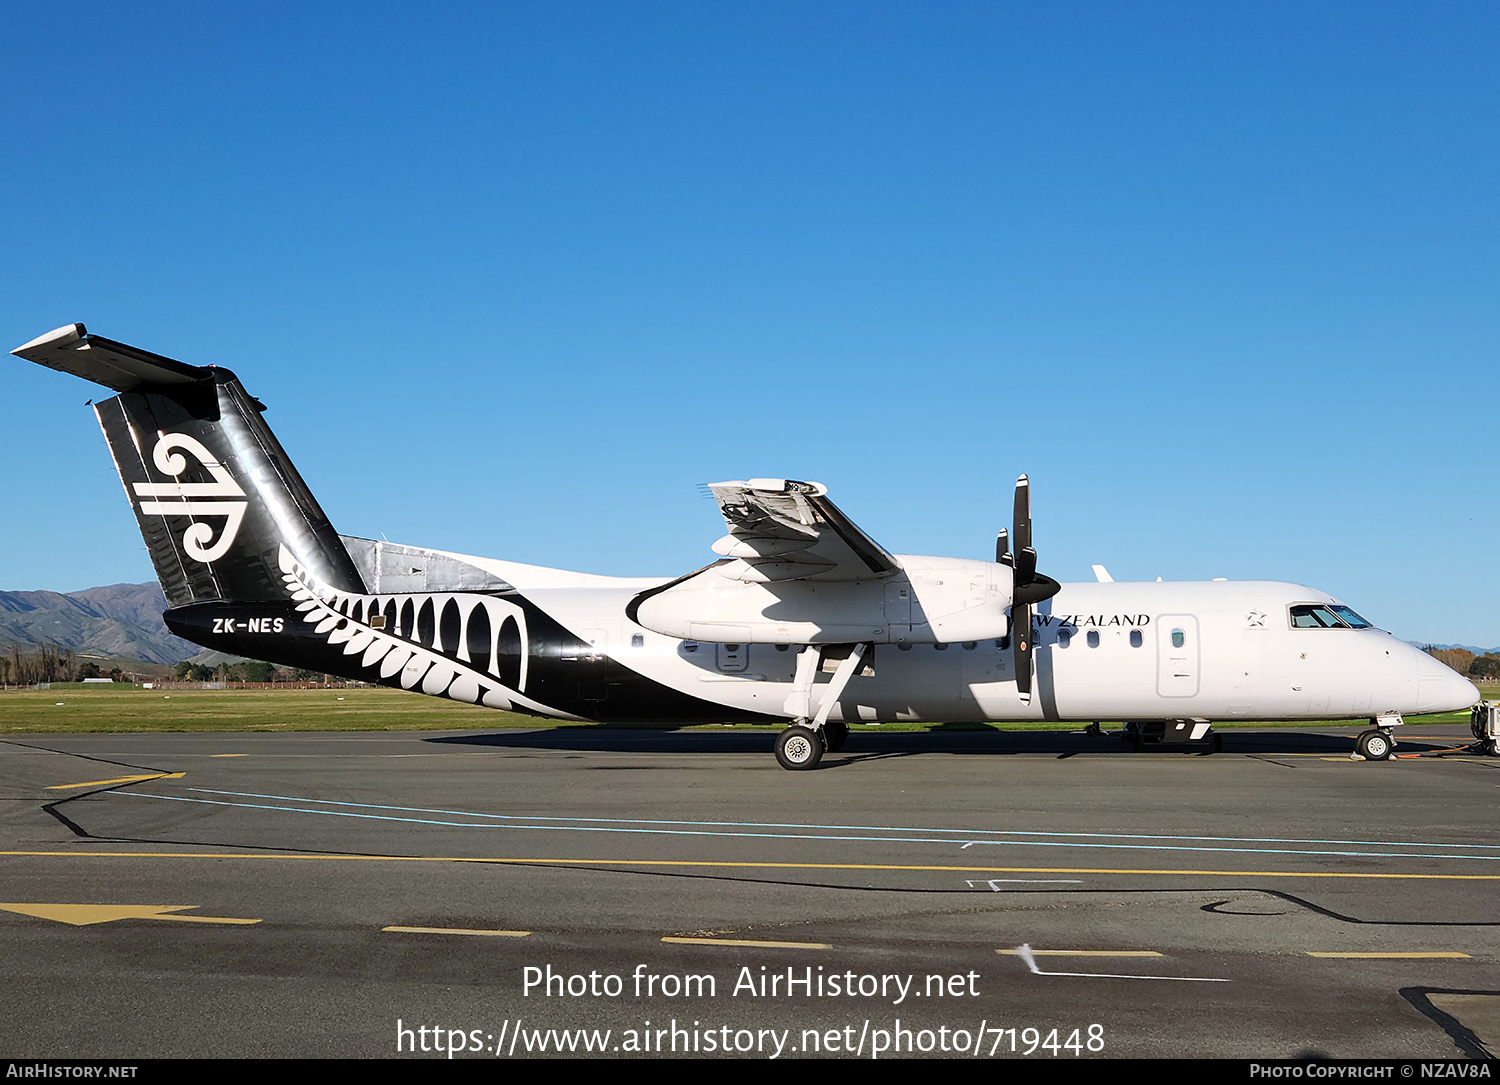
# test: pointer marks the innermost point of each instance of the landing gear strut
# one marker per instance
(801, 746)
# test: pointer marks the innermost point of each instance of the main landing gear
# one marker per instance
(799, 747)
(802, 745)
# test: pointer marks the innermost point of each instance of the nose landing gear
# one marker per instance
(1373, 745)
(1377, 743)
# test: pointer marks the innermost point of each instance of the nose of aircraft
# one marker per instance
(1440, 689)
(1459, 692)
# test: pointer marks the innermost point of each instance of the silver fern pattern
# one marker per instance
(404, 637)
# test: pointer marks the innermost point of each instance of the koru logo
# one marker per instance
(194, 499)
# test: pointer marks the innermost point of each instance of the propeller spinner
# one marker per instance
(1030, 586)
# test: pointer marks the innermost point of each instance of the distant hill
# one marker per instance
(1466, 647)
(121, 620)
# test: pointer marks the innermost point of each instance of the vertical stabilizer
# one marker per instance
(212, 489)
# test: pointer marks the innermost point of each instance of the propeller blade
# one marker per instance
(1020, 642)
(1025, 567)
(1028, 586)
(1022, 519)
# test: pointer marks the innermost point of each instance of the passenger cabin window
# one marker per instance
(1064, 638)
(1135, 638)
(1093, 638)
(1316, 616)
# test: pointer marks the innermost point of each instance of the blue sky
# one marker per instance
(515, 278)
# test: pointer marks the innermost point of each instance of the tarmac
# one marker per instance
(632, 892)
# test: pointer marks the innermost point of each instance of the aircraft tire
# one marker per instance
(835, 734)
(1492, 747)
(1373, 745)
(799, 748)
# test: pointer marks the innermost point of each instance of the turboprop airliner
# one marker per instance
(803, 617)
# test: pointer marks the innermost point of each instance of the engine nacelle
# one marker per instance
(930, 601)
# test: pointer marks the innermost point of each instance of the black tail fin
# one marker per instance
(213, 492)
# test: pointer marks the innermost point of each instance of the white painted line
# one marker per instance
(1023, 950)
(1025, 953)
(746, 942)
(995, 883)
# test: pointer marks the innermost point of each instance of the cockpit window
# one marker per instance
(1349, 616)
(1315, 616)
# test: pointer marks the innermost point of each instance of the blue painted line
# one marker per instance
(516, 822)
(969, 835)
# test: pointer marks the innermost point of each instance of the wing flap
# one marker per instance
(782, 529)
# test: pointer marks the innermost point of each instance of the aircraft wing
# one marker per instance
(786, 530)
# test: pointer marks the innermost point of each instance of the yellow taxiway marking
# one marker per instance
(1386, 956)
(727, 864)
(118, 780)
(82, 915)
(1082, 953)
(457, 930)
(754, 943)
(226, 755)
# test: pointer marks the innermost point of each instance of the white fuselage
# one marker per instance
(1218, 650)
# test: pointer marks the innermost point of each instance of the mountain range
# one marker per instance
(122, 621)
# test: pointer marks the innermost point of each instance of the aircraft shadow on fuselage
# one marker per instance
(866, 743)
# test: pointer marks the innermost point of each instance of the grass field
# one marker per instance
(82, 709)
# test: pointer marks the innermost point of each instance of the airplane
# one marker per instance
(803, 617)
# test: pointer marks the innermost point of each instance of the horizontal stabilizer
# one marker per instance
(71, 349)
